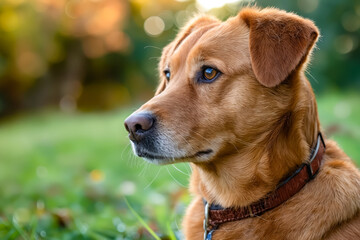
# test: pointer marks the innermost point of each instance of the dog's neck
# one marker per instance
(227, 184)
(247, 175)
(231, 184)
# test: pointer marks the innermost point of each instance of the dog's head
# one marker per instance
(225, 86)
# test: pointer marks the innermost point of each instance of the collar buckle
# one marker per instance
(206, 220)
(310, 170)
(313, 155)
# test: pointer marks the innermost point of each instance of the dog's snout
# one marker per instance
(138, 125)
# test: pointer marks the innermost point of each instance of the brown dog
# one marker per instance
(234, 101)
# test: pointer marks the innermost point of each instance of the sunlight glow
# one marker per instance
(209, 4)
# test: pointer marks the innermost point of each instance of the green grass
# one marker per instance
(66, 176)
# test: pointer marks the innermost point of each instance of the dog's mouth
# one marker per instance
(152, 156)
(164, 149)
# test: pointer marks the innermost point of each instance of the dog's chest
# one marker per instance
(304, 216)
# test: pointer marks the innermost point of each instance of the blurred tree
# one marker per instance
(88, 54)
(101, 54)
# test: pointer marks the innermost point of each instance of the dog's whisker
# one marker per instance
(237, 150)
(149, 46)
(172, 176)
(143, 169)
(188, 168)
(135, 160)
(264, 219)
(151, 182)
(201, 136)
(123, 151)
(131, 158)
(152, 58)
(246, 143)
(187, 142)
(146, 166)
(177, 225)
(308, 73)
(179, 170)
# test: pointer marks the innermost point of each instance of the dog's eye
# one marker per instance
(167, 74)
(209, 74)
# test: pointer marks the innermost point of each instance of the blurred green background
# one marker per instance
(71, 71)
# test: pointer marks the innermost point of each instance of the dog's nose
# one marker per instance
(138, 125)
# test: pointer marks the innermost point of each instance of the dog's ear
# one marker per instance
(279, 43)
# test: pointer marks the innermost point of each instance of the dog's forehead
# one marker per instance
(227, 43)
(182, 48)
(223, 40)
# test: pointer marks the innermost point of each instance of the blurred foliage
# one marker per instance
(101, 54)
(86, 54)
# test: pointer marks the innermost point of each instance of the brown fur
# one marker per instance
(260, 119)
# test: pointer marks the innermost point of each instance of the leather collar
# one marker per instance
(216, 215)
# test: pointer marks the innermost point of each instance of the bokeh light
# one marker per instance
(97, 175)
(308, 6)
(154, 25)
(345, 43)
(351, 22)
(210, 4)
(9, 20)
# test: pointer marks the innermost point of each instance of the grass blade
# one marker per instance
(170, 232)
(33, 228)
(18, 229)
(152, 233)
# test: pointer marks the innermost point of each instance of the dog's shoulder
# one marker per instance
(329, 202)
(349, 230)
